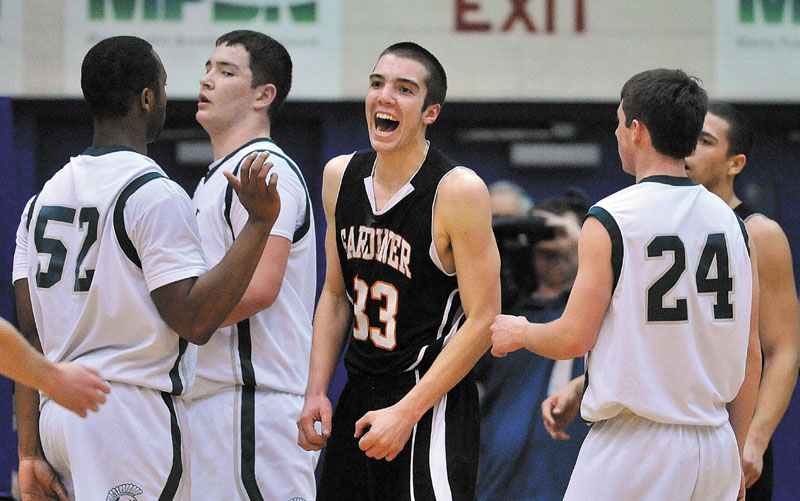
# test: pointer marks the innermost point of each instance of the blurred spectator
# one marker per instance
(518, 458)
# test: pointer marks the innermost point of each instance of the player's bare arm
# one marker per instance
(266, 282)
(331, 322)
(74, 386)
(37, 480)
(741, 408)
(560, 408)
(575, 332)
(779, 332)
(195, 307)
(465, 242)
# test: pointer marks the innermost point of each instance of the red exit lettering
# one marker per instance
(518, 13)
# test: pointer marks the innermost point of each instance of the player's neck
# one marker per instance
(660, 165)
(394, 168)
(724, 190)
(227, 140)
(118, 132)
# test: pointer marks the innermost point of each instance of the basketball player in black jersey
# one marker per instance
(413, 266)
(722, 152)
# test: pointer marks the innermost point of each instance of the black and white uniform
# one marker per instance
(671, 350)
(406, 308)
(251, 376)
(105, 231)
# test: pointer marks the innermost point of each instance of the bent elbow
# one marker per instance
(578, 349)
(194, 334)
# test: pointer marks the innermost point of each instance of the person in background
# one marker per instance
(514, 387)
(722, 152)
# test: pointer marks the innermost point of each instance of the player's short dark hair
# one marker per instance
(574, 200)
(740, 131)
(115, 71)
(270, 62)
(671, 104)
(436, 82)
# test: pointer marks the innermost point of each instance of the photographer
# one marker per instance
(518, 458)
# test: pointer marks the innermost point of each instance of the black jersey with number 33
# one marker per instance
(405, 306)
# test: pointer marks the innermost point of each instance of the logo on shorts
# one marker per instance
(124, 492)
(297, 499)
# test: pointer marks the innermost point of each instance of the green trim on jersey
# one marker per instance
(119, 217)
(300, 232)
(744, 233)
(234, 152)
(248, 413)
(617, 250)
(176, 472)
(31, 206)
(670, 180)
(93, 151)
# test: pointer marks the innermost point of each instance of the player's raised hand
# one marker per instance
(38, 481)
(560, 408)
(505, 334)
(77, 387)
(315, 410)
(259, 198)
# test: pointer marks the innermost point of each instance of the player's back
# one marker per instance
(672, 346)
(90, 295)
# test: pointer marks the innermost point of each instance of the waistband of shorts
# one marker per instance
(403, 379)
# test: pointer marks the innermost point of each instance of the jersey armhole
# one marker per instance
(617, 250)
(119, 216)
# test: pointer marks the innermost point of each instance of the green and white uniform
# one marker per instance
(251, 377)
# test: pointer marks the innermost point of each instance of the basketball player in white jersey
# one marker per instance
(109, 271)
(251, 376)
(75, 386)
(722, 152)
(662, 303)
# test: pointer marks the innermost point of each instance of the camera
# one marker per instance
(516, 237)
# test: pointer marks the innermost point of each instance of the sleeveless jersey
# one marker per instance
(105, 231)
(744, 211)
(405, 306)
(673, 343)
(271, 349)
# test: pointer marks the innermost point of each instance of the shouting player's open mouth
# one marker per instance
(385, 122)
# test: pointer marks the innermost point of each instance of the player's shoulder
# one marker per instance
(461, 181)
(766, 233)
(334, 169)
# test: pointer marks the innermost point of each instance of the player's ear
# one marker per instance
(431, 113)
(638, 131)
(265, 95)
(146, 98)
(736, 163)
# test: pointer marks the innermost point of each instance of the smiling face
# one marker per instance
(226, 92)
(394, 104)
(710, 162)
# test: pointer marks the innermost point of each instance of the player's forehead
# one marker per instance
(394, 66)
(234, 56)
(716, 126)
